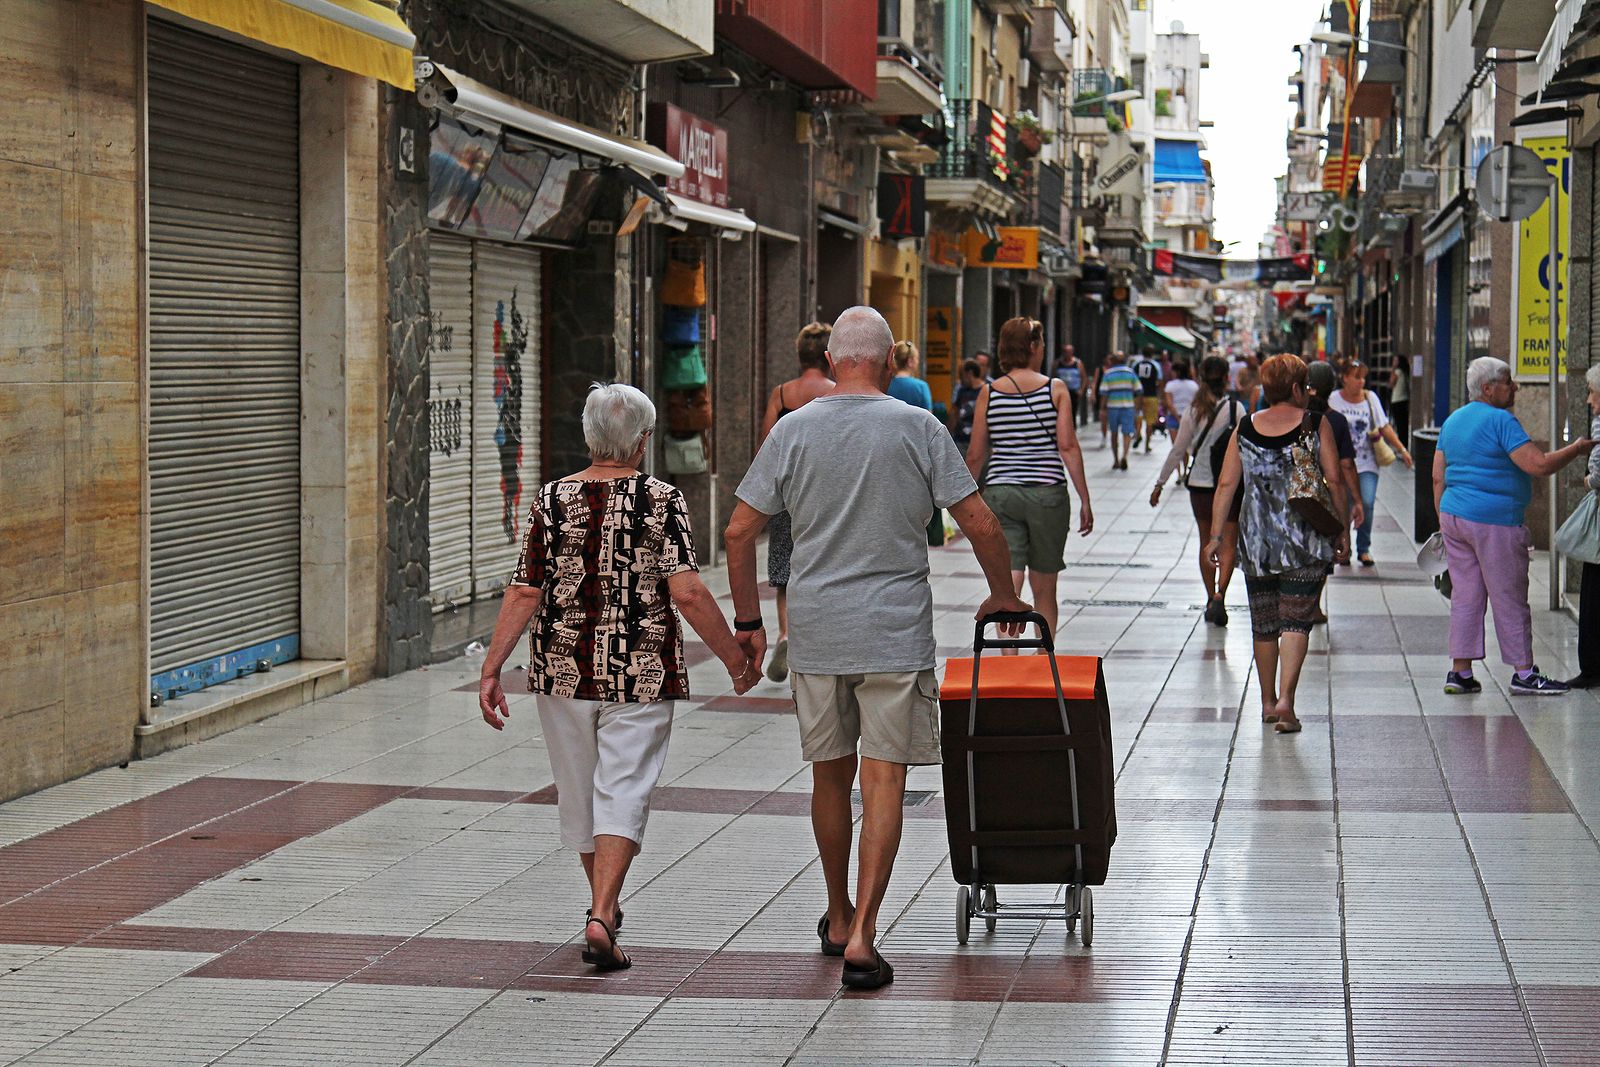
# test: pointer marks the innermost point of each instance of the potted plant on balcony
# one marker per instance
(1031, 136)
(1163, 103)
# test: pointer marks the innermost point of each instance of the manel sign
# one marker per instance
(702, 148)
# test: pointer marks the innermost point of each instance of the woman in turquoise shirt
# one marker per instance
(905, 385)
(1482, 478)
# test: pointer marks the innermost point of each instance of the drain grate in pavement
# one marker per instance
(914, 798)
(1158, 605)
(1118, 566)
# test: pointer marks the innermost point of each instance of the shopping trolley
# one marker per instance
(1028, 778)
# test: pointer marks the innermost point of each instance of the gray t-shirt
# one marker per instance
(860, 477)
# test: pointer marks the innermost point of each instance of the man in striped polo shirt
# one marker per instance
(1120, 387)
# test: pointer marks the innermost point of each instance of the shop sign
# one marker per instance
(1013, 248)
(1120, 167)
(944, 249)
(702, 148)
(902, 205)
(938, 353)
(1533, 268)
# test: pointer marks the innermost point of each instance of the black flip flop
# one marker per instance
(829, 948)
(875, 977)
(610, 961)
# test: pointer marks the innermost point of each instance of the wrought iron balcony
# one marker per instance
(979, 147)
(1090, 87)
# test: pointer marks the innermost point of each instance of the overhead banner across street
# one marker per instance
(1205, 268)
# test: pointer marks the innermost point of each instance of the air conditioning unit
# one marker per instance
(1418, 181)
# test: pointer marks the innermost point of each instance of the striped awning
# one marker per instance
(362, 36)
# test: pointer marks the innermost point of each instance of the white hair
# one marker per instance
(615, 417)
(860, 334)
(1484, 372)
(1591, 378)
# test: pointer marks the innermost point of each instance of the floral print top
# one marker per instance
(602, 551)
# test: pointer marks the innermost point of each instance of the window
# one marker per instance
(888, 18)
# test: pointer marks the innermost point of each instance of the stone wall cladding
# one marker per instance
(406, 625)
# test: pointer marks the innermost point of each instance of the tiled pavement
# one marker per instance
(376, 878)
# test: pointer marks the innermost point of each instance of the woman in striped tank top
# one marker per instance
(1023, 431)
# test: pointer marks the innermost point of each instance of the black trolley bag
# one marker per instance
(1028, 778)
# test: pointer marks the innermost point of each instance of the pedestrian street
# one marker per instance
(376, 877)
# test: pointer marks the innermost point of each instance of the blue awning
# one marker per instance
(1178, 161)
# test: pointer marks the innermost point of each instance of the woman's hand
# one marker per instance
(1341, 548)
(1085, 519)
(745, 674)
(1155, 496)
(1411, 464)
(1214, 551)
(492, 701)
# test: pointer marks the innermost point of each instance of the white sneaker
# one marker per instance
(778, 669)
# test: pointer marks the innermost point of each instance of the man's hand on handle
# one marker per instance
(1006, 602)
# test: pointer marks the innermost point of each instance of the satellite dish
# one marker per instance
(1177, 25)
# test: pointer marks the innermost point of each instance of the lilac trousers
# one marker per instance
(1488, 568)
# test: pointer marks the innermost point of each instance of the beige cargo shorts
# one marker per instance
(889, 717)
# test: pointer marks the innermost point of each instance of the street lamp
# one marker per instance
(1309, 131)
(1121, 96)
(1339, 39)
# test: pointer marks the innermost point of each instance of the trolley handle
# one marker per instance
(1046, 640)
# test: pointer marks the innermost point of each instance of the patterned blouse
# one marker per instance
(1273, 538)
(602, 551)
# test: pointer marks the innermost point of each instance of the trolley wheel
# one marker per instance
(963, 914)
(989, 903)
(1087, 933)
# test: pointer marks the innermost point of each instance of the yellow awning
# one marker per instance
(361, 36)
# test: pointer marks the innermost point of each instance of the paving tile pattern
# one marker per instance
(378, 879)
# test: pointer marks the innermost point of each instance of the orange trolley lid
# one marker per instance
(1021, 677)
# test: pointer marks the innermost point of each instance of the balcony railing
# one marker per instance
(923, 64)
(1090, 87)
(973, 151)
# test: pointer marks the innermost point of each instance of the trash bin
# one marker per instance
(1423, 444)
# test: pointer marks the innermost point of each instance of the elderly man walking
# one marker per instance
(860, 474)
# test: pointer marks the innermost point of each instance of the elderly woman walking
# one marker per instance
(607, 555)
(1483, 474)
(1284, 558)
(1023, 429)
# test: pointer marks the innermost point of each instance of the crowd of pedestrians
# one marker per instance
(1280, 461)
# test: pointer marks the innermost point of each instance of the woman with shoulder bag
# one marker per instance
(1377, 445)
(1023, 429)
(1203, 434)
(1284, 463)
(1587, 547)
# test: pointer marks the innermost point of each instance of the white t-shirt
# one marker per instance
(1180, 394)
(1234, 367)
(1364, 417)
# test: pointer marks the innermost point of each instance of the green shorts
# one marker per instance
(1037, 520)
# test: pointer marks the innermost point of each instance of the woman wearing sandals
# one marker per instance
(606, 557)
(1376, 444)
(811, 346)
(1284, 559)
(1023, 428)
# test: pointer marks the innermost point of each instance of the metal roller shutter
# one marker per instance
(450, 420)
(505, 426)
(224, 303)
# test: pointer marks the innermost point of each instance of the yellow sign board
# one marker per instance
(938, 356)
(1015, 248)
(1532, 322)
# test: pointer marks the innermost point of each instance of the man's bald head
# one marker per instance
(860, 335)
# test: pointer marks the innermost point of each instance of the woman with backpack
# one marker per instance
(1203, 439)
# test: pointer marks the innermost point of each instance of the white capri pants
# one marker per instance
(606, 758)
